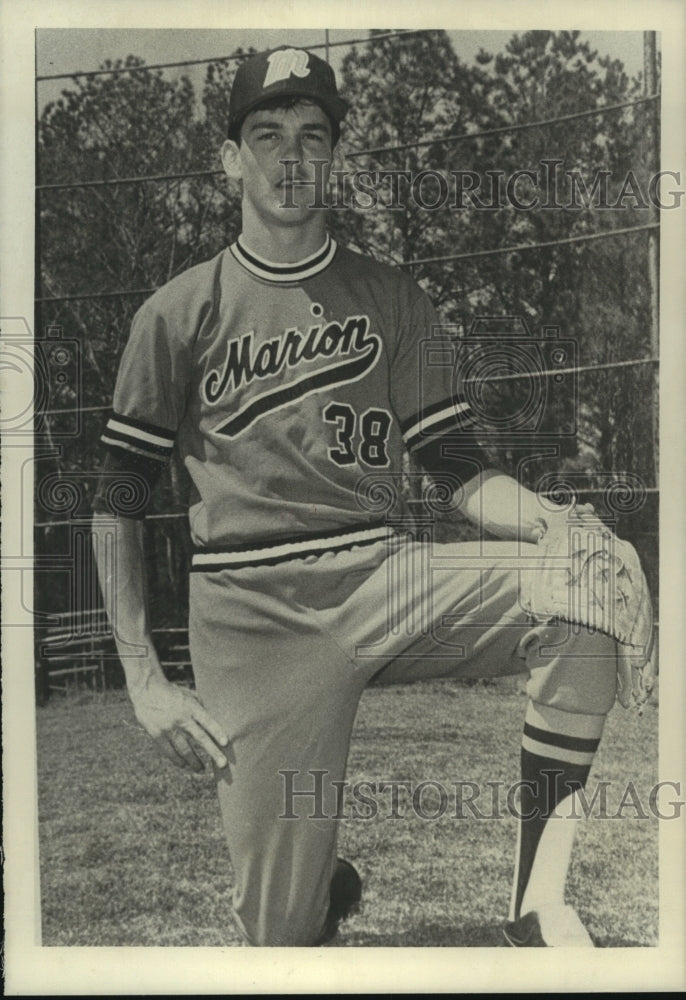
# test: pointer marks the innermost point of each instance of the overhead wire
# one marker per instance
(510, 377)
(474, 254)
(234, 57)
(353, 154)
(372, 151)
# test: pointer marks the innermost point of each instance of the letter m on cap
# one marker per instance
(285, 63)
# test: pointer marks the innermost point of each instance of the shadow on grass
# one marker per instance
(617, 942)
(429, 935)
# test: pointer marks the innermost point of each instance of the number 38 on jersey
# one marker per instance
(364, 439)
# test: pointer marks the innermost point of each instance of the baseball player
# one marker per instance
(288, 374)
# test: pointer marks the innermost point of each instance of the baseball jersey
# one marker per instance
(291, 392)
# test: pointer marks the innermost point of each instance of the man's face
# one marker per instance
(268, 137)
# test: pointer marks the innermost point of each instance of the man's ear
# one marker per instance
(231, 160)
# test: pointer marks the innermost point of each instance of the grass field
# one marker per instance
(132, 851)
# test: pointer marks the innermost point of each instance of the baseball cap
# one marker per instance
(283, 72)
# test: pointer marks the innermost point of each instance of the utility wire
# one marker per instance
(139, 179)
(463, 137)
(501, 130)
(529, 246)
(545, 373)
(406, 263)
(235, 57)
(513, 377)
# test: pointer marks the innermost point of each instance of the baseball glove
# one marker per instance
(588, 576)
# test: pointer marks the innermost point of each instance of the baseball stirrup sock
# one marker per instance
(557, 753)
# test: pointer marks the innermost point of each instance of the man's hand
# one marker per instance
(578, 515)
(178, 723)
(507, 509)
(172, 715)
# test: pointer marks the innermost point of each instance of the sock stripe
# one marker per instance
(554, 720)
(560, 740)
(546, 751)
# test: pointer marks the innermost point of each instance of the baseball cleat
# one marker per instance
(345, 895)
(554, 926)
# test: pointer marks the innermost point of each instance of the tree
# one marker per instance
(109, 245)
(171, 208)
(414, 88)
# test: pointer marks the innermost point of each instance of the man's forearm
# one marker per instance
(503, 507)
(172, 715)
(120, 558)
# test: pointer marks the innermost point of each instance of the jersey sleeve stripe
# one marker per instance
(134, 424)
(139, 438)
(115, 426)
(450, 405)
(450, 416)
(126, 446)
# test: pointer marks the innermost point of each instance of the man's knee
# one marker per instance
(571, 668)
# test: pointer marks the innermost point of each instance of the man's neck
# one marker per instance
(283, 244)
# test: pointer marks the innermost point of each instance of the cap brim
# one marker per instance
(335, 107)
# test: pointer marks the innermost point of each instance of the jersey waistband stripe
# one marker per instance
(311, 536)
(241, 556)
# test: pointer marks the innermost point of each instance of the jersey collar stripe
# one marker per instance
(255, 258)
(112, 443)
(138, 435)
(269, 555)
(298, 271)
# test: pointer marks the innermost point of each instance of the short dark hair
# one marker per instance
(285, 103)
